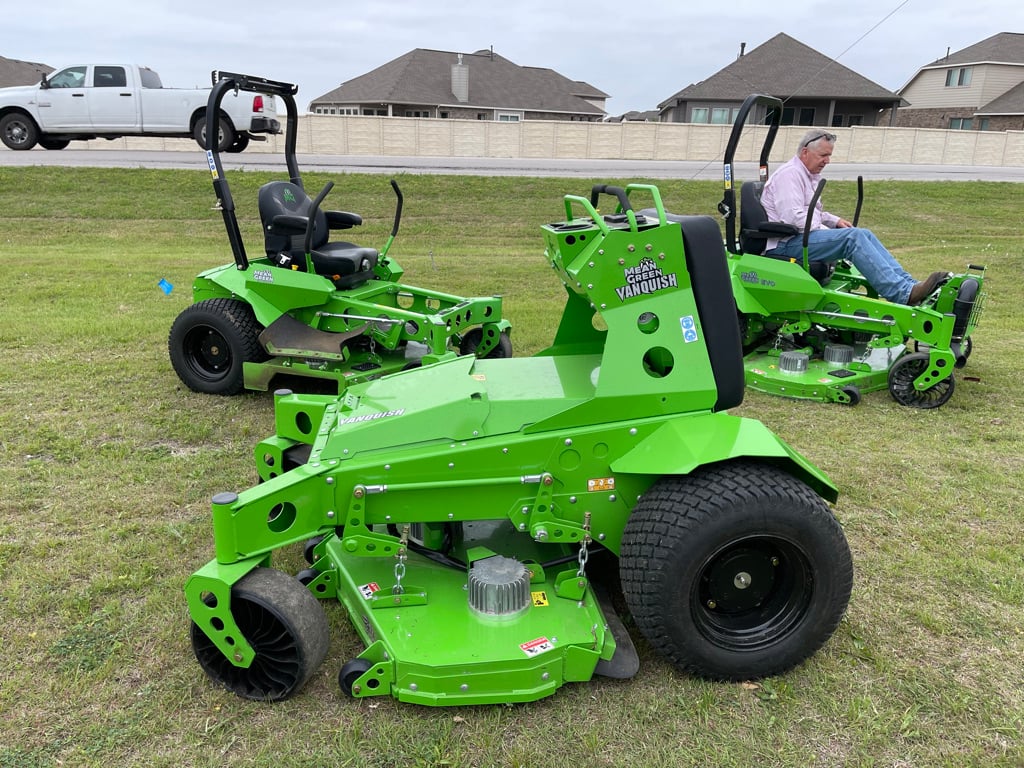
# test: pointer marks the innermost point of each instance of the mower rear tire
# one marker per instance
(210, 341)
(286, 626)
(735, 572)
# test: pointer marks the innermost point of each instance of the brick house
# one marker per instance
(815, 89)
(978, 88)
(468, 86)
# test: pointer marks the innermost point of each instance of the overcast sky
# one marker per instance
(639, 53)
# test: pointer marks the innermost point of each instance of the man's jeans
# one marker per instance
(861, 248)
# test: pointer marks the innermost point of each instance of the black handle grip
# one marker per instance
(313, 208)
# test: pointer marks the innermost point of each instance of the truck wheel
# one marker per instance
(209, 342)
(241, 142)
(737, 571)
(286, 626)
(18, 131)
(226, 135)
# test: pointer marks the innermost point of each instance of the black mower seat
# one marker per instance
(284, 211)
(755, 230)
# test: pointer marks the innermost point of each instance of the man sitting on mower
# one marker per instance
(786, 196)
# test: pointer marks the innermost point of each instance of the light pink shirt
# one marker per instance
(786, 196)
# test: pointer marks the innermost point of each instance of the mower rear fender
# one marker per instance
(681, 445)
(270, 291)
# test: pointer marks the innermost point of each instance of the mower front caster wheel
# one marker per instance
(287, 629)
(210, 341)
(901, 383)
(736, 571)
(473, 338)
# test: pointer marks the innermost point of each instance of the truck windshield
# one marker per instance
(72, 77)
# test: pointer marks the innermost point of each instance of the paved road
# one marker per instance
(473, 166)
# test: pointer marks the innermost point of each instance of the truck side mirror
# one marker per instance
(43, 82)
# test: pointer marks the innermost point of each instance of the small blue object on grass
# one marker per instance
(166, 287)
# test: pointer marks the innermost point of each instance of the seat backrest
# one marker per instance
(752, 216)
(707, 264)
(284, 197)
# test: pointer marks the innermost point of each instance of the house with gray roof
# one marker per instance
(469, 86)
(15, 72)
(980, 87)
(815, 89)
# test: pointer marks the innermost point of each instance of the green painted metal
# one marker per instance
(536, 459)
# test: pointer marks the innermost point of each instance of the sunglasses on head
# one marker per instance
(829, 137)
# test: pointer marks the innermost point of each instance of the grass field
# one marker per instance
(108, 465)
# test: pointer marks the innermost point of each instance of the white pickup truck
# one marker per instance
(115, 100)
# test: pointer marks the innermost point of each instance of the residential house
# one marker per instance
(815, 89)
(14, 72)
(469, 86)
(978, 88)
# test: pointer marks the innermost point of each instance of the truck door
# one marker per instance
(113, 103)
(63, 106)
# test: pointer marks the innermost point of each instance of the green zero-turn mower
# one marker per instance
(311, 306)
(818, 331)
(464, 512)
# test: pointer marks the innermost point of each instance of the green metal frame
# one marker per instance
(533, 458)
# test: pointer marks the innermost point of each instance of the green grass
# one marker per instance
(108, 464)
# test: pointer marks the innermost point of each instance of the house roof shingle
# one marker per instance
(784, 67)
(1004, 48)
(15, 72)
(424, 76)
(1009, 103)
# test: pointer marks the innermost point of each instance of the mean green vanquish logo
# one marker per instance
(645, 278)
(289, 196)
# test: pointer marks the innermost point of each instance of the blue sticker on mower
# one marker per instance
(689, 328)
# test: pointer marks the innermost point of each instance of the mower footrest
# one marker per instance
(288, 336)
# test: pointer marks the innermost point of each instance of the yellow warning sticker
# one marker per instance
(601, 484)
(540, 599)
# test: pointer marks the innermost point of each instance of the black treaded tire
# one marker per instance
(286, 626)
(209, 342)
(735, 572)
(18, 131)
(226, 134)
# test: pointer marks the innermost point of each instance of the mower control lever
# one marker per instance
(313, 208)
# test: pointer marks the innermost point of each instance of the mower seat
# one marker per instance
(284, 213)
(755, 230)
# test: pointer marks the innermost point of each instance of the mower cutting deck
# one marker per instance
(461, 512)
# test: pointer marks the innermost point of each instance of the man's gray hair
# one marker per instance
(813, 136)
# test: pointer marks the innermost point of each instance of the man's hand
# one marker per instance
(843, 224)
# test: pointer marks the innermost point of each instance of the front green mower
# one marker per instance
(311, 306)
(468, 514)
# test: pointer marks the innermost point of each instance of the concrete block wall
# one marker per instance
(552, 139)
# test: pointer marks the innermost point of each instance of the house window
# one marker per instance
(855, 120)
(961, 123)
(720, 116)
(699, 115)
(416, 113)
(983, 124)
(508, 117)
(444, 115)
(807, 116)
(958, 77)
(837, 121)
